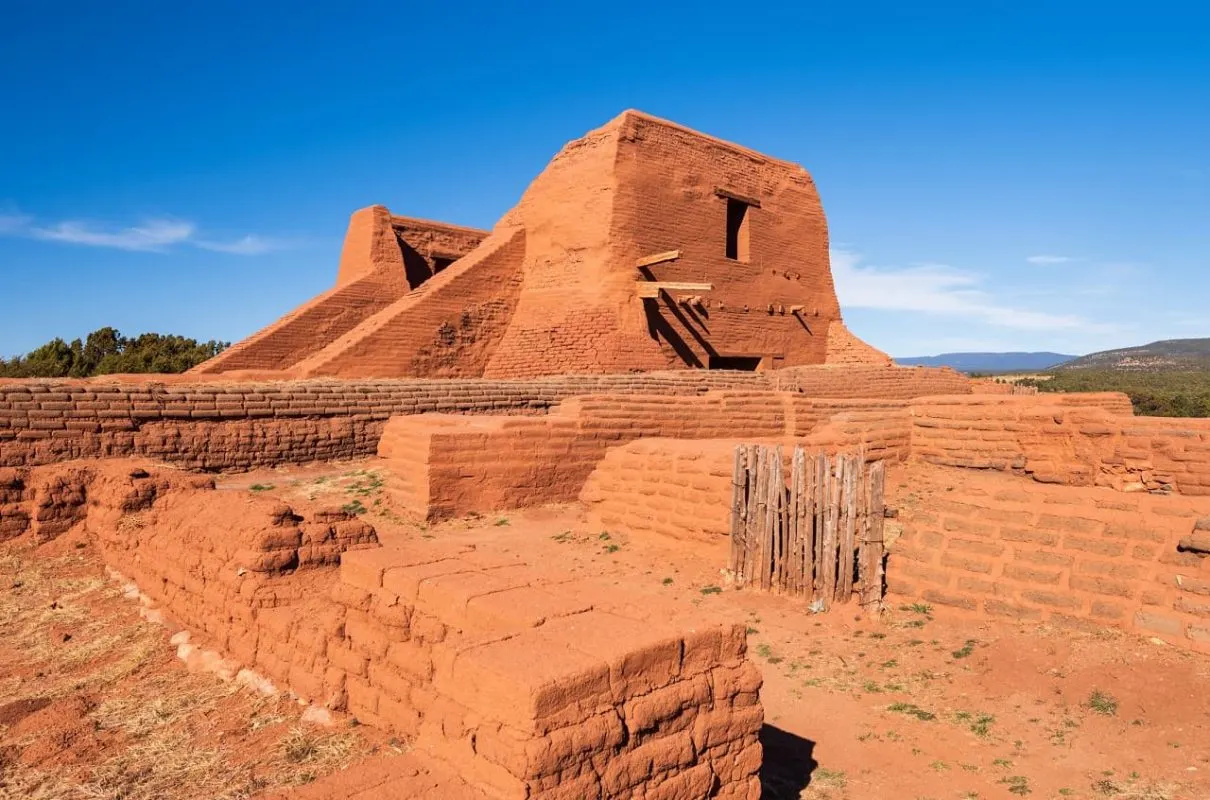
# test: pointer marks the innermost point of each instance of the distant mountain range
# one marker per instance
(1169, 355)
(989, 362)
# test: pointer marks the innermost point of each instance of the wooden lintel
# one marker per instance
(647, 261)
(651, 289)
(743, 198)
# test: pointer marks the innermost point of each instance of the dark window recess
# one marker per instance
(742, 363)
(441, 263)
(737, 230)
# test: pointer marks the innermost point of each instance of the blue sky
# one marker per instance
(997, 176)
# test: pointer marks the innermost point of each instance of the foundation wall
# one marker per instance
(491, 464)
(1082, 557)
(218, 426)
(528, 686)
(1081, 440)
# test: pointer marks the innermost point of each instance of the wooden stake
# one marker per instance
(750, 511)
(739, 475)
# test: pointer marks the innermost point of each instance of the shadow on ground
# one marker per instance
(787, 766)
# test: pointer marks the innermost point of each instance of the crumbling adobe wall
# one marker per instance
(871, 381)
(426, 246)
(845, 349)
(552, 290)
(527, 686)
(672, 193)
(383, 258)
(999, 545)
(1077, 439)
(217, 426)
(449, 327)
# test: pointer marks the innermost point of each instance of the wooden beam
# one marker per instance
(743, 198)
(652, 289)
(670, 255)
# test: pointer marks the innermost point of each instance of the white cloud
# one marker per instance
(151, 236)
(940, 290)
(246, 246)
(1044, 260)
(13, 222)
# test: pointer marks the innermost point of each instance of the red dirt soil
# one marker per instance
(923, 703)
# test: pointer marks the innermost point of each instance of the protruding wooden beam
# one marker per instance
(647, 261)
(743, 198)
(652, 289)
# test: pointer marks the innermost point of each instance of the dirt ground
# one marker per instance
(921, 703)
(95, 704)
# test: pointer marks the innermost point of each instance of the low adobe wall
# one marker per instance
(241, 425)
(217, 426)
(527, 686)
(853, 381)
(1075, 556)
(1076, 439)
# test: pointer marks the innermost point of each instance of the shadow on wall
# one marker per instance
(788, 764)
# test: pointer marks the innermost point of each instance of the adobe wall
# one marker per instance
(995, 544)
(427, 247)
(552, 289)
(871, 381)
(443, 466)
(526, 686)
(218, 426)
(448, 327)
(1076, 439)
(215, 425)
(669, 181)
(370, 277)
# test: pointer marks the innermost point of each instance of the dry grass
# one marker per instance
(161, 721)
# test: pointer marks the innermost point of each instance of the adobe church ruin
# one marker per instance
(642, 246)
(657, 298)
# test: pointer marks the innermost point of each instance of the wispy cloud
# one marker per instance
(246, 246)
(941, 290)
(13, 222)
(1044, 259)
(149, 236)
(153, 236)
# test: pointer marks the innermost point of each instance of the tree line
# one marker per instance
(106, 351)
(1153, 393)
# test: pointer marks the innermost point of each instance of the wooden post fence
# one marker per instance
(817, 534)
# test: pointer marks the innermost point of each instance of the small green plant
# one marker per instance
(751, 631)
(890, 664)
(939, 766)
(924, 609)
(260, 487)
(604, 537)
(1002, 762)
(877, 635)
(965, 650)
(912, 710)
(1017, 784)
(1103, 703)
(501, 522)
(354, 507)
(565, 536)
(613, 548)
(711, 590)
(667, 581)
(872, 687)
(982, 725)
